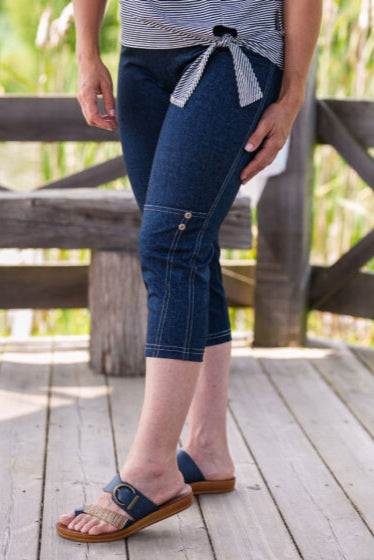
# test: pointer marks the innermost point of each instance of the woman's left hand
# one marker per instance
(272, 130)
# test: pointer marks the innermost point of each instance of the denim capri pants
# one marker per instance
(184, 166)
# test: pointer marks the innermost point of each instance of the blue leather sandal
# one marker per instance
(136, 504)
(195, 478)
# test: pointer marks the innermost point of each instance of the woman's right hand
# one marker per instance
(94, 79)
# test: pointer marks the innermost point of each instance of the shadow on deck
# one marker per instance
(300, 423)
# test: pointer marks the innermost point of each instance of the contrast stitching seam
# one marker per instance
(173, 350)
(218, 336)
(178, 210)
(168, 212)
(220, 333)
(168, 281)
(169, 346)
(191, 300)
(167, 291)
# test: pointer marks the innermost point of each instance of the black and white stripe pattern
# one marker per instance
(166, 24)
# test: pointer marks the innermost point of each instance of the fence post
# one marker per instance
(118, 307)
(284, 234)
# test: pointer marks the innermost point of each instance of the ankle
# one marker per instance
(208, 444)
(149, 467)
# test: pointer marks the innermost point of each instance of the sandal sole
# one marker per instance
(213, 486)
(171, 507)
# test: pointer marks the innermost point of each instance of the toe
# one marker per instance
(101, 527)
(66, 518)
(78, 521)
(91, 523)
(85, 521)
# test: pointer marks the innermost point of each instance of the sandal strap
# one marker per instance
(188, 467)
(129, 498)
(112, 517)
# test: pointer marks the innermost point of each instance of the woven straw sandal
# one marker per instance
(136, 504)
(195, 478)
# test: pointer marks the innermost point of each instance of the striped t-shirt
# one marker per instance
(166, 24)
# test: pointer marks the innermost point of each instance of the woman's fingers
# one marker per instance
(95, 80)
(88, 102)
(269, 136)
(261, 160)
(109, 101)
(257, 137)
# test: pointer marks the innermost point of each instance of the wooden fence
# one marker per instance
(69, 213)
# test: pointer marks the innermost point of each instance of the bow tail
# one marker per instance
(249, 88)
(190, 78)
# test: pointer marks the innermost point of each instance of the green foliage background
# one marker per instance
(343, 204)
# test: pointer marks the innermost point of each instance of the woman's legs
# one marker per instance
(170, 386)
(171, 382)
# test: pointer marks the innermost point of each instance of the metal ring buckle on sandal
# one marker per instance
(118, 501)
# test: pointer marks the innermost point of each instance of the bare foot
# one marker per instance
(157, 488)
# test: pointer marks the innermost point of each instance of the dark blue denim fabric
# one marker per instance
(184, 166)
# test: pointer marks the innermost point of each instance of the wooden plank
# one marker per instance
(245, 523)
(365, 354)
(349, 376)
(238, 281)
(182, 535)
(80, 454)
(51, 118)
(65, 285)
(48, 118)
(357, 116)
(74, 218)
(322, 521)
(355, 297)
(236, 228)
(24, 379)
(43, 286)
(334, 132)
(284, 230)
(93, 176)
(337, 435)
(333, 278)
(93, 218)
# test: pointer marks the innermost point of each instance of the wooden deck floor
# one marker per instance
(301, 427)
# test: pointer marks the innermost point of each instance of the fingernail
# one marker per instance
(249, 147)
(112, 112)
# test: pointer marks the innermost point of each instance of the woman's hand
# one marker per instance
(94, 79)
(272, 130)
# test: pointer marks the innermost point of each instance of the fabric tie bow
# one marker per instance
(249, 89)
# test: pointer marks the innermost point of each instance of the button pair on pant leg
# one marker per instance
(187, 215)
